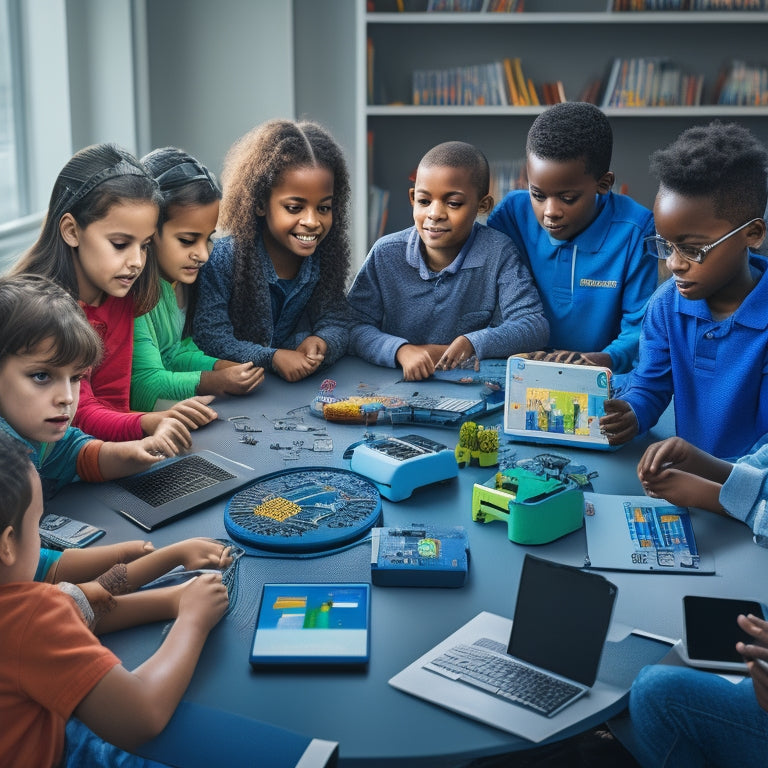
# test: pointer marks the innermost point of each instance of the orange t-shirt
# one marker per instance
(49, 662)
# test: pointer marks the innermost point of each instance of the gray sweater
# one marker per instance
(486, 294)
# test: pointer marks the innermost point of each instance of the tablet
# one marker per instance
(710, 631)
(312, 624)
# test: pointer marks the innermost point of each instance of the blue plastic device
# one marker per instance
(399, 465)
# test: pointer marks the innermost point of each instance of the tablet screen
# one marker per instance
(711, 631)
(312, 624)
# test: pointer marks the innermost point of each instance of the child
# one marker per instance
(684, 475)
(95, 241)
(584, 243)
(448, 288)
(43, 682)
(46, 346)
(687, 717)
(705, 332)
(167, 364)
(272, 292)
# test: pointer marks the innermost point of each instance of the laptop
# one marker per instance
(523, 677)
(556, 403)
(173, 488)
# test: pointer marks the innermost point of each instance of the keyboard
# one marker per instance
(505, 677)
(175, 480)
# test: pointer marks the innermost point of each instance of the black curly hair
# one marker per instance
(724, 162)
(573, 130)
(15, 482)
(253, 166)
(460, 154)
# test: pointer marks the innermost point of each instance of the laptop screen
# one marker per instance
(561, 618)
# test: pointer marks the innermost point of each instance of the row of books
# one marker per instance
(500, 83)
(687, 5)
(651, 82)
(476, 6)
(742, 84)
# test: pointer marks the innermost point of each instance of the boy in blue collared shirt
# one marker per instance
(448, 288)
(705, 333)
(584, 243)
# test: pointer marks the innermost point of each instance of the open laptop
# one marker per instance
(556, 403)
(174, 487)
(546, 662)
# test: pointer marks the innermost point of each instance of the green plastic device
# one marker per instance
(536, 508)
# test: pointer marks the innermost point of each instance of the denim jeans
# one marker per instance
(84, 749)
(684, 717)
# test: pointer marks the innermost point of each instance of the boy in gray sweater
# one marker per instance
(448, 288)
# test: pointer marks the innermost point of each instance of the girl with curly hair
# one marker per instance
(272, 291)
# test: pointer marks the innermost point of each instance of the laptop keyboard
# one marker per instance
(505, 677)
(175, 480)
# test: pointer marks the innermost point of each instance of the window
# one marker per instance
(11, 205)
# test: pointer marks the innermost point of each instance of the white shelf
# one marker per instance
(573, 17)
(708, 110)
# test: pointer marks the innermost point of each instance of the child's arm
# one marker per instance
(128, 708)
(80, 565)
(230, 378)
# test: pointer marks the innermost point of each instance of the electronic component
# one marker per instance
(399, 465)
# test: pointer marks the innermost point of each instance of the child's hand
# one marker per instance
(673, 451)
(193, 412)
(415, 361)
(459, 351)
(128, 551)
(314, 349)
(756, 655)
(204, 599)
(170, 437)
(619, 424)
(292, 364)
(230, 378)
(199, 553)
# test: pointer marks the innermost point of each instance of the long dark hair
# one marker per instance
(95, 179)
(183, 181)
(252, 168)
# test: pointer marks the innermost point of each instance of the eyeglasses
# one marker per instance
(663, 249)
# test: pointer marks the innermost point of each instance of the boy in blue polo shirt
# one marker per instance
(448, 288)
(705, 332)
(584, 243)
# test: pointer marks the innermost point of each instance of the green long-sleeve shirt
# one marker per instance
(165, 366)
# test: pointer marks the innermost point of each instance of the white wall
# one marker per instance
(216, 69)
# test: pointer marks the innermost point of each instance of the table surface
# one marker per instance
(373, 722)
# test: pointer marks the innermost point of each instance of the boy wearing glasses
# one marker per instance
(584, 243)
(705, 332)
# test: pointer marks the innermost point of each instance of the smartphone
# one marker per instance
(710, 631)
(61, 532)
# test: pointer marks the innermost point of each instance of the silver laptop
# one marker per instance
(547, 661)
(174, 488)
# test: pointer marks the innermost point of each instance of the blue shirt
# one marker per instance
(595, 286)
(744, 494)
(56, 463)
(715, 368)
(486, 294)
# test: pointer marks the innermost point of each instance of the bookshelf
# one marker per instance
(575, 47)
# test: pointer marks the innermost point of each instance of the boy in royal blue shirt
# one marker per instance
(584, 243)
(705, 333)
